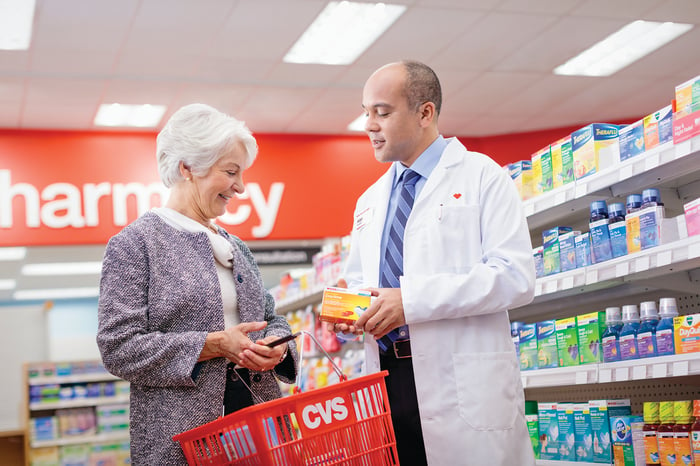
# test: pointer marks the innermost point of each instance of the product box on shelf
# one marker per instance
(687, 95)
(583, 440)
(590, 328)
(601, 411)
(686, 333)
(533, 427)
(631, 140)
(595, 147)
(547, 418)
(567, 250)
(343, 305)
(647, 228)
(621, 431)
(528, 346)
(546, 344)
(601, 248)
(567, 431)
(537, 254)
(562, 162)
(686, 125)
(551, 250)
(618, 238)
(567, 342)
(692, 217)
(658, 127)
(542, 171)
(582, 243)
(521, 174)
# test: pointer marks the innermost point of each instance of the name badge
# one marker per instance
(363, 219)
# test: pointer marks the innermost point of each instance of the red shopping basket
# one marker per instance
(347, 423)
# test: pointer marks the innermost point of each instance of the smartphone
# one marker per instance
(281, 340)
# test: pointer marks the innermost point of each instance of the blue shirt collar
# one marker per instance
(425, 163)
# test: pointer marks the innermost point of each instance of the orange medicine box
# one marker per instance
(342, 305)
(686, 330)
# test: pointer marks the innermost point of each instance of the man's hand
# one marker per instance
(385, 313)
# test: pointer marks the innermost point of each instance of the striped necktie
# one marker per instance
(393, 255)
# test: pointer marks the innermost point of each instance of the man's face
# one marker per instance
(393, 128)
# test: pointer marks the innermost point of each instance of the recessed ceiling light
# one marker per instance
(358, 124)
(139, 116)
(16, 19)
(621, 48)
(8, 284)
(56, 293)
(62, 268)
(342, 31)
(12, 254)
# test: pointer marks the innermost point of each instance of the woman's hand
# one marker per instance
(230, 343)
(260, 357)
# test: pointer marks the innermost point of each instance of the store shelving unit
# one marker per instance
(35, 376)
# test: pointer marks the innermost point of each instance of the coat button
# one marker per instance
(257, 378)
(239, 278)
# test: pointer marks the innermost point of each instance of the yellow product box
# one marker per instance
(686, 333)
(342, 305)
(521, 174)
(595, 148)
(537, 186)
(687, 96)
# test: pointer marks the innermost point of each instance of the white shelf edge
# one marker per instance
(540, 462)
(97, 438)
(79, 402)
(75, 378)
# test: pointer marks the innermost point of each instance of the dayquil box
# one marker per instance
(528, 346)
(595, 147)
(567, 342)
(547, 418)
(692, 217)
(342, 305)
(590, 334)
(658, 127)
(686, 333)
(562, 162)
(546, 345)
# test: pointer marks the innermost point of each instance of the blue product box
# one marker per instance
(631, 140)
(547, 355)
(567, 250)
(582, 244)
(650, 220)
(600, 241)
(601, 411)
(551, 250)
(567, 433)
(528, 346)
(583, 440)
(547, 418)
(618, 238)
(539, 261)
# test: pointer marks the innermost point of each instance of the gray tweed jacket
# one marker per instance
(159, 297)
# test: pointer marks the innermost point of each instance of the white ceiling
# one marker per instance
(494, 58)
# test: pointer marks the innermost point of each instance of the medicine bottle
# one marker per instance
(683, 413)
(651, 426)
(664, 329)
(599, 211)
(664, 436)
(646, 335)
(611, 334)
(634, 203)
(616, 212)
(651, 197)
(628, 333)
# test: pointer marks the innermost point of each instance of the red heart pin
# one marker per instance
(457, 195)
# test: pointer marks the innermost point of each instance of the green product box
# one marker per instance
(601, 411)
(533, 427)
(583, 432)
(567, 434)
(551, 249)
(547, 175)
(528, 346)
(562, 162)
(549, 431)
(547, 355)
(590, 332)
(567, 342)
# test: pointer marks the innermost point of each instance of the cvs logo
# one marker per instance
(314, 414)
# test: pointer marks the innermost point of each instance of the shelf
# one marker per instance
(677, 365)
(667, 165)
(295, 303)
(97, 438)
(75, 378)
(78, 403)
(643, 267)
(566, 463)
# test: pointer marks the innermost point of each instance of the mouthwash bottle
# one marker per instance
(611, 334)
(617, 229)
(634, 203)
(664, 329)
(651, 426)
(628, 334)
(695, 433)
(646, 335)
(683, 413)
(664, 436)
(600, 236)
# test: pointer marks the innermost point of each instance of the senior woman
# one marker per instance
(182, 301)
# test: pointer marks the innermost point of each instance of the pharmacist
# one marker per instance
(454, 382)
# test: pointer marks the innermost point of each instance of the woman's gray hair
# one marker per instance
(198, 135)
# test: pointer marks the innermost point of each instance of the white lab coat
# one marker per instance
(467, 259)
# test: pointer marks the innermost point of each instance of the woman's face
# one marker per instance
(212, 191)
